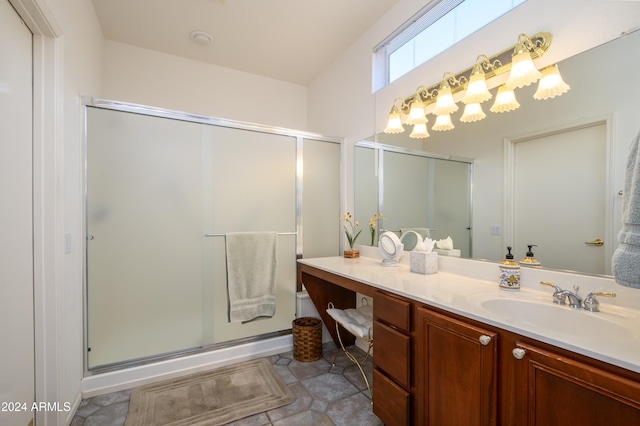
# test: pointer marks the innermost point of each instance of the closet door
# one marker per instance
(16, 221)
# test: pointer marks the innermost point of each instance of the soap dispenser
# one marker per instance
(529, 259)
(509, 272)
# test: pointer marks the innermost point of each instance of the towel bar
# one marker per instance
(224, 235)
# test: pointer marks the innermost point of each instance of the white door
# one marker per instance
(559, 199)
(16, 236)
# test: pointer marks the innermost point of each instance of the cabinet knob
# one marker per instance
(518, 353)
(484, 339)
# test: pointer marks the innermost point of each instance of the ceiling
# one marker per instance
(289, 40)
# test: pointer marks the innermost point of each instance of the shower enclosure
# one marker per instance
(162, 190)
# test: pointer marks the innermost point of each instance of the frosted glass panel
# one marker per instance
(321, 198)
(254, 189)
(144, 215)
(407, 187)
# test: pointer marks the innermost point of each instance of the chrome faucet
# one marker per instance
(592, 304)
(561, 296)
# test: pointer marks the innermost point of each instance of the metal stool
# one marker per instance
(358, 322)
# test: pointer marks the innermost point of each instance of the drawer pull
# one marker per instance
(518, 353)
(485, 340)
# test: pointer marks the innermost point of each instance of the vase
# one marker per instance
(352, 254)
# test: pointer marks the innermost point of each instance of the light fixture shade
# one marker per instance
(523, 71)
(443, 122)
(505, 100)
(472, 112)
(444, 102)
(477, 91)
(551, 84)
(419, 131)
(416, 114)
(394, 125)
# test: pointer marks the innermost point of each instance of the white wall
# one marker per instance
(341, 99)
(147, 77)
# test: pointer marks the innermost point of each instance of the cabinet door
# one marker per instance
(555, 390)
(456, 370)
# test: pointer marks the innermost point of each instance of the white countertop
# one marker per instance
(461, 286)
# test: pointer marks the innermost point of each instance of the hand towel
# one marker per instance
(626, 258)
(251, 274)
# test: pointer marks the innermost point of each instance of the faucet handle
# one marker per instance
(592, 304)
(558, 297)
(548, 284)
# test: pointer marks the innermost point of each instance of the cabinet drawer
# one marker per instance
(392, 310)
(390, 401)
(392, 353)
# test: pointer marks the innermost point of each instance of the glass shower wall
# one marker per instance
(145, 185)
(161, 194)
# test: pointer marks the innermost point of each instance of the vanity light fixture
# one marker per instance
(523, 71)
(472, 112)
(394, 125)
(517, 60)
(505, 100)
(416, 113)
(419, 131)
(551, 84)
(443, 122)
(477, 91)
(444, 101)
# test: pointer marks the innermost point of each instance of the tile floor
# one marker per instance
(325, 395)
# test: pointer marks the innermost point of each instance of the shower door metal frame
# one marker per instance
(300, 136)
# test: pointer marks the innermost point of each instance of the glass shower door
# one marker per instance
(144, 227)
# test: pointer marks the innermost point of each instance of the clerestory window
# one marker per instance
(435, 28)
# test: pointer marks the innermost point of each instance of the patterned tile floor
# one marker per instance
(325, 395)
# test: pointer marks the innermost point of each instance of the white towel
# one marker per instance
(626, 259)
(251, 274)
(356, 321)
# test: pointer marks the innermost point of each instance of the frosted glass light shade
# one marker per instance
(472, 112)
(419, 131)
(477, 91)
(443, 122)
(551, 84)
(394, 124)
(416, 114)
(445, 103)
(505, 101)
(523, 71)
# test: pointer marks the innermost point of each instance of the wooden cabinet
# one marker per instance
(554, 389)
(456, 371)
(432, 367)
(392, 358)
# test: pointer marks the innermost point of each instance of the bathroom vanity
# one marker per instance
(451, 348)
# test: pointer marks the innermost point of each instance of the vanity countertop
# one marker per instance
(464, 286)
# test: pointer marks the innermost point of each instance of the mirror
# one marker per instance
(603, 91)
(417, 194)
(391, 248)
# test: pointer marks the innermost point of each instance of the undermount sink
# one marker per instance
(556, 318)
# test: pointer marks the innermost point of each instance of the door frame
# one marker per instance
(609, 192)
(48, 197)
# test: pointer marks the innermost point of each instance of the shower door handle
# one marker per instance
(597, 242)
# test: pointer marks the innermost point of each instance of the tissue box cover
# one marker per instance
(423, 263)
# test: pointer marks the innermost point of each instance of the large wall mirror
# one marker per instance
(413, 190)
(561, 153)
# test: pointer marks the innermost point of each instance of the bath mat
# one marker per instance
(210, 398)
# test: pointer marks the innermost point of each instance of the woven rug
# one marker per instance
(210, 398)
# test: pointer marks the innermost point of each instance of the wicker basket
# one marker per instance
(307, 339)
